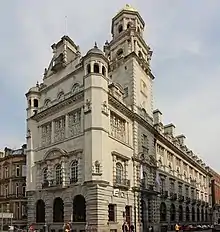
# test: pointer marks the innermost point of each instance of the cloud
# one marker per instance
(184, 38)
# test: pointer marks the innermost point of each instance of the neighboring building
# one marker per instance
(215, 186)
(185, 179)
(13, 187)
(89, 126)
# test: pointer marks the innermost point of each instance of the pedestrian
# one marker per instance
(125, 227)
(177, 227)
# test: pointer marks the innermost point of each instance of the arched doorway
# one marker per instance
(187, 214)
(193, 214)
(40, 211)
(202, 215)
(180, 213)
(58, 210)
(163, 212)
(198, 215)
(79, 209)
(144, 215)
(172, 213)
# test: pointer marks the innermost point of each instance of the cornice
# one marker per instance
(133, 116)
(59, 106)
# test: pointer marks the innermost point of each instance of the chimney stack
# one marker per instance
(157, 115)
(181, 139)
(169, 129)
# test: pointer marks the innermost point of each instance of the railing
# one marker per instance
(124, 183)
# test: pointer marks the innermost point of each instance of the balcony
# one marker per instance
(207, 204)
(199, 202)
(148, 188)
(181, 198)
(73, 180)
(51, 184)
(173, 196)
(123, 184)
(188, 200)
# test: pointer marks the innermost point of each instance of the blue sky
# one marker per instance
(184, 36)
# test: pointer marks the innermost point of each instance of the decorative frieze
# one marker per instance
(74, 123)
(46, 134)
(59, 129)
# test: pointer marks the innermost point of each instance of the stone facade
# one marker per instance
(184, 179)
(13, 187)
(90, 134)
(215, 187)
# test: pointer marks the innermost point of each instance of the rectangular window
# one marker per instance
(162, 186)
(46, 134)
(118, 126)
(172, 187)
(59, 129)
(192, 194)
(180, 190)
(74, 123)
(111, 213)
(187, 191)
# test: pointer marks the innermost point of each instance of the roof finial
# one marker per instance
(95, 45)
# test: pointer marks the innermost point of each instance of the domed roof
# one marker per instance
(95, 50)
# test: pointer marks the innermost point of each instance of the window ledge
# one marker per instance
(96, 174)
(112, 223)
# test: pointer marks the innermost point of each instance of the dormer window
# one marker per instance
(120, 28)
(128, 25)
(119, 53)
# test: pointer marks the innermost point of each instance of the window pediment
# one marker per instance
(54, 154)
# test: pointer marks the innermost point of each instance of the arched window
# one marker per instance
(119, 173)
(58, 210)
(187, 214)
(29, 103)
(202, 215)
(35, 103)
(40, 211)
(206, 215)
(79, 209)
(145, 179)
(163, 212)
(17, 190)
(180, 213)
(96, 68)
(97, 167)
(58, 174)
(172, 213)
(120, 28)
(119, 52)
(24, 190)
(138, 30)
(103, 71)
(193, 214)
(88, 68)
(74, 171)
(198, 214)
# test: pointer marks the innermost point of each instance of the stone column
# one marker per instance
(52, 132)
(67, 126)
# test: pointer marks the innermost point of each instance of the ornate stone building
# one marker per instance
(184, 178)
(13, 187)
(215, 187)
(90, 134)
